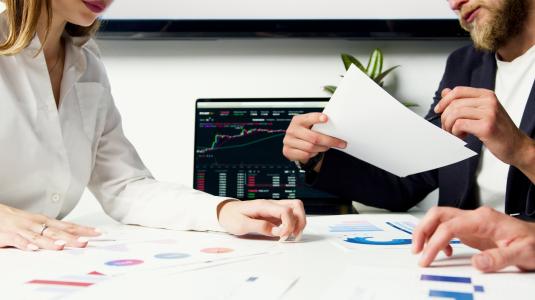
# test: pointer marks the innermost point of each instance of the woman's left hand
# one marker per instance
(280, 218)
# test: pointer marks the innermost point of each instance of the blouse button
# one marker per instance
(55, 197)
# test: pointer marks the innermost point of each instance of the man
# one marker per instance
(486, 97)
(503, 240)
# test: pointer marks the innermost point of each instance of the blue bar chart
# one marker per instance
(453, 292)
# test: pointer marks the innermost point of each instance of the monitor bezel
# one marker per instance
(312, 204)
(392, 29)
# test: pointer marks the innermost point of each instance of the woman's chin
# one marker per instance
(84, 21)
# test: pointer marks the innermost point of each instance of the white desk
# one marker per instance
(317, 262)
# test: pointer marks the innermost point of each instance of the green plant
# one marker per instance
(374, 70)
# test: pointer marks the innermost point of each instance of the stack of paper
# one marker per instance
(381, 131)
(124, 250)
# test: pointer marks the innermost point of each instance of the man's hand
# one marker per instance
(504, 240)
(467, 110)
(301, 143)
(280, 218)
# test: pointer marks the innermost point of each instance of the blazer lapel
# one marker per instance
(528, 118)
(516, 195)
(484, 76)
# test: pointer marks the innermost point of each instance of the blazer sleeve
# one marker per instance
(354, 179)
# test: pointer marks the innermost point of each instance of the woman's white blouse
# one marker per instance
(50, 155)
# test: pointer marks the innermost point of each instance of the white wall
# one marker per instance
(155, 84)
(280, 9)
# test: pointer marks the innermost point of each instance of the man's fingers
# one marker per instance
(318, 138)
(467, 126)
(72, 228)
(310, 119)
(466, 113)
(465, 102)
(15, 240)
(456, 93)
(519, 253)
(303, 145)
(438, 241)
(510, 245)
(445, 92)
(448, 250)
(296, 154)
(428, 225)
(495, 259)
(472, 223)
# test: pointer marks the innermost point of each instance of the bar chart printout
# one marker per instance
(451, 287)
(361, 282)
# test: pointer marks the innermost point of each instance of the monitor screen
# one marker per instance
(238, 149)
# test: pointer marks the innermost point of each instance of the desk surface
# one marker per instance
(317, 263)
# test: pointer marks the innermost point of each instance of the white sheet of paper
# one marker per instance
(194, 285)
(383, 132)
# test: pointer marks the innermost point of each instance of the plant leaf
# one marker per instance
(375, 64)
(329, 89)
(349, 60)
(409, 104)
(382, 76)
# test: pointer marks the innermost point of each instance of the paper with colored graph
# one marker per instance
(381, 131)
(367, 283)
(122, 251)
(137, 249)
(361, 232)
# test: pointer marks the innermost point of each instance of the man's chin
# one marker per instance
(479, 32)
(482, 41)
(469, 27)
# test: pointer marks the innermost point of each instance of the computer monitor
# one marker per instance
(238, 152)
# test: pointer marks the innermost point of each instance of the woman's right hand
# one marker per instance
(22, 230)
(301, 143)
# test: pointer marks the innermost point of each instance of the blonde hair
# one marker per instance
(22, 17)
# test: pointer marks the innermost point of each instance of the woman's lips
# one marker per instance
(95, 6)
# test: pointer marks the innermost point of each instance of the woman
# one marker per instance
(60, 132)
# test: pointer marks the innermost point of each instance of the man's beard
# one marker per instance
(503, 23)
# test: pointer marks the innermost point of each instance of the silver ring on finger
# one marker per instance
(43, 228)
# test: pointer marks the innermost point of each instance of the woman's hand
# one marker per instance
(281, 218)
(24, 230)
(503, 240)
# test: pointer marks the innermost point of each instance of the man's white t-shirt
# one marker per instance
(514, 81)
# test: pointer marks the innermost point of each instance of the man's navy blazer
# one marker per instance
(354, 179)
